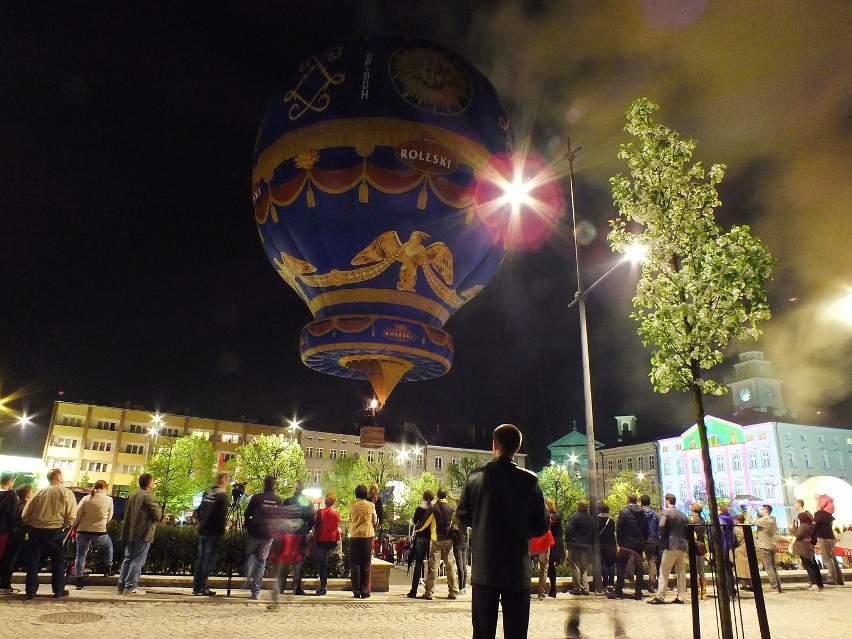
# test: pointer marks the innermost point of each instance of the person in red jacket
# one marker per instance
(326, 537)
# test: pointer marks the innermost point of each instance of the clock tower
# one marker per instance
(753, 385)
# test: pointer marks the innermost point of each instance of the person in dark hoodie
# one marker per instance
(580, 531)
(261, 516)
(212, 515)
(631, 530)
(422, 540)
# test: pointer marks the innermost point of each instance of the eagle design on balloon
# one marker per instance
(387, 249)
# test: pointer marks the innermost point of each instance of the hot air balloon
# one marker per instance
(364, 189)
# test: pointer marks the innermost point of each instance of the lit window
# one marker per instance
(319, 453)
(342, 454)
(332, 453)
(749, 437)
(761, 435)
(732, 437)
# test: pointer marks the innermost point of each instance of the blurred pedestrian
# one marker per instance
(305, 507)
(504, 506)
(261, 518)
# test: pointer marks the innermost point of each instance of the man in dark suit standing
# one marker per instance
(504, 506)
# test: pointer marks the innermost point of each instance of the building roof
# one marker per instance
(574, 439)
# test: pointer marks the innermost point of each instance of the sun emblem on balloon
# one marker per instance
(429, 80)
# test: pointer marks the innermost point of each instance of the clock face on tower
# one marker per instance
(745, 394)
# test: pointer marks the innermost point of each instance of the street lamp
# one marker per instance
(580, 297)
(293, 428)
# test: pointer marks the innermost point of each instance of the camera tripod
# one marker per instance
(235, 526)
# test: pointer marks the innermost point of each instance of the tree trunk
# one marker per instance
(722, 593)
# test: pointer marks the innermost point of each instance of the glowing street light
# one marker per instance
(640, 476)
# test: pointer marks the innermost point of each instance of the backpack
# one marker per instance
(653, 520)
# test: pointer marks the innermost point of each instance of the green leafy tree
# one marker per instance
(625, 483)
(700, 287)
(380, 470)
(265, 455)
(563, 487)
(341, 479)
(458, 471)
(411, 497)
(181, 468)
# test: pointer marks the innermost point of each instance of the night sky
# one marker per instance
(131, 271)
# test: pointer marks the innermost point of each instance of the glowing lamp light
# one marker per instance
(572, 458)
(640, 476)
(636, 252)
(528, 186)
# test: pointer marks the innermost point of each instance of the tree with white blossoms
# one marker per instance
(700, 287)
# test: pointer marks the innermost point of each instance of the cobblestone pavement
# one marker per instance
(99, 612)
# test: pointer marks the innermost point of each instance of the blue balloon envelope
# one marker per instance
(366, 170)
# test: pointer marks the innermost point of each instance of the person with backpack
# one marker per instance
(631, 532)
(441, 546)
(652, 544)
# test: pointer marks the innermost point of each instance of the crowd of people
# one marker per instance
(502, 514)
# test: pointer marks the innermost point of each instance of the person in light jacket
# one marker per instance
(767, 542)
(362, 523)
(93, 514)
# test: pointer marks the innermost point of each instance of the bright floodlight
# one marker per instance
(572, 458)
(640, 476)
(636, 252)
(23, 420)
(155, 431)
(517, 193)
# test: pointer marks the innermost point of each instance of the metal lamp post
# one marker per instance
(580, 300)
